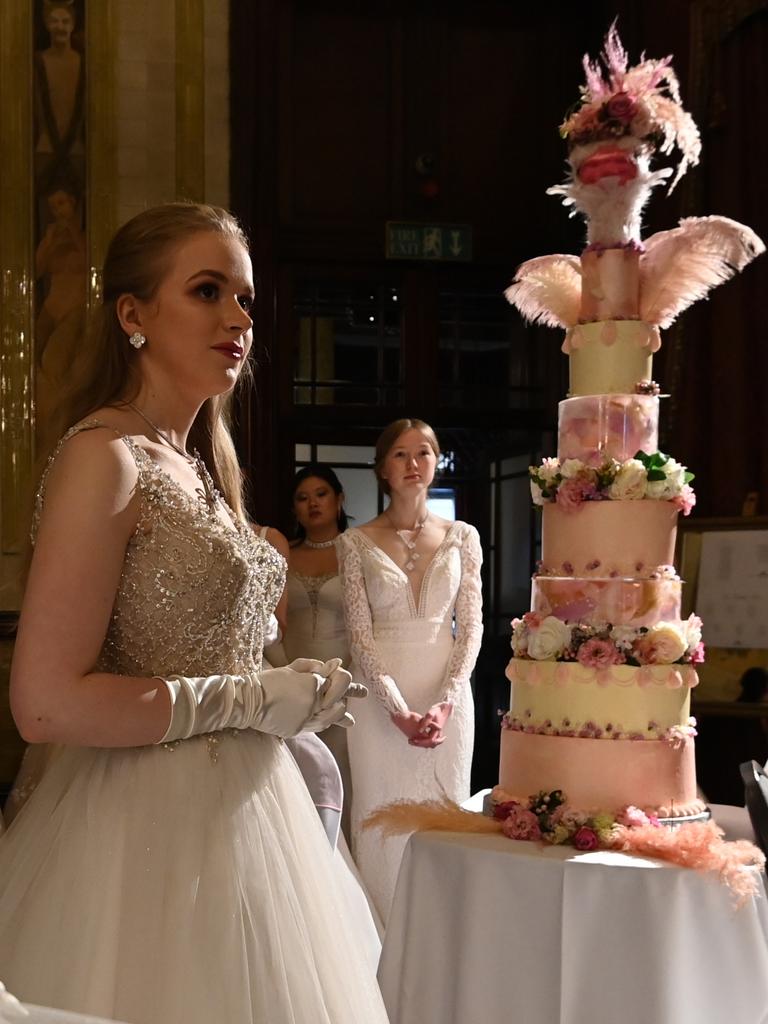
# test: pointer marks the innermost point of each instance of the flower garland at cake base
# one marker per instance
(546, 818)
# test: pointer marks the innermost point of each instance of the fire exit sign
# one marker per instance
(412, 240)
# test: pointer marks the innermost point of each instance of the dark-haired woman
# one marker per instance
(315, 613)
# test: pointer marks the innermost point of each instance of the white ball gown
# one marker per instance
(316, 629)
(405, 649)
(191, 882)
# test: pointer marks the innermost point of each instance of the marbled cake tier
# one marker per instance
(608, 538)
(595, 428)
(553, 698)
(601, 774)
(630, 602)
(610, 356)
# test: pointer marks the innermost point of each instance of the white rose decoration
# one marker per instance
(571, 467)
(670, 486)
(537, 494)
(623, 636)
(675, 474)
(549, 640)
(657, 490)
(693, 630)
(548, 470)
(630, 482)
(668, 642)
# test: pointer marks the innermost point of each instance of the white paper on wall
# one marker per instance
(732, 595)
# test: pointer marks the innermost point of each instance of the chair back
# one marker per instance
(756, 798)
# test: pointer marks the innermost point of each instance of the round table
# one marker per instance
(486, 929)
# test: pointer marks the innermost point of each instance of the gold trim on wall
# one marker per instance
(101, 218)
(190, 100)
(17, 448)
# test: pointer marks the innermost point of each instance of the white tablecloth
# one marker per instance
(486, 929)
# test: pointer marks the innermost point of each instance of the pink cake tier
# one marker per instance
(601, 774)
(630, 602)
(553, 698)
(610, 284)
(608, 538)
(595, 428)
(610, 356)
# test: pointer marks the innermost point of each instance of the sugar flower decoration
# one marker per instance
(641, 103)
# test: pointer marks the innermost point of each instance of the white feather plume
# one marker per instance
(547, 290)
(682, 265)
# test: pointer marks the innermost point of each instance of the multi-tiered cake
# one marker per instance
(603, 665)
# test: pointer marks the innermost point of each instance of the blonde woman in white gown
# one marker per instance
(170, 865)
(413, 601)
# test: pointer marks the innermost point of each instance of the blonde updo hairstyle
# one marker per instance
(106, 371)
(388, 438)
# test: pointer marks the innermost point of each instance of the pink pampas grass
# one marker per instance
(442, 815)
(698, 845)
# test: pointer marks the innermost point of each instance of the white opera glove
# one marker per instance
(306, 695)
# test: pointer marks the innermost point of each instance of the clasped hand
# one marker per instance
(425, 730)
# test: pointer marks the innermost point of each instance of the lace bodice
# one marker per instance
(379, 603)
(194, 595)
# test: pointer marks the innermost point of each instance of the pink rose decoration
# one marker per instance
(597, 653)
(685, 500)
(632, 817)
(697, 654)
(586, 839)
(621, 107)
(502, 810)
(521, 824)
(572, 492)
(532, 620)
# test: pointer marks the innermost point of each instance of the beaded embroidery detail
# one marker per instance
(195, 595)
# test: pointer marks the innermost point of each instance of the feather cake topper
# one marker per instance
(626, 116)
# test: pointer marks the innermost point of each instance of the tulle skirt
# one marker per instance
(187, 885)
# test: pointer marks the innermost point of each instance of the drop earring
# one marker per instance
(137, 339)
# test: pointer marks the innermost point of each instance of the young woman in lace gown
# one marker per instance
(169, 867)
(407, 576)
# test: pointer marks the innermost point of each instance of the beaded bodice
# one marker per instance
(195, 594)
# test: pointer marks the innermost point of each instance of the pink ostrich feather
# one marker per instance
(547, 290)
(699, 845)
(682, 265)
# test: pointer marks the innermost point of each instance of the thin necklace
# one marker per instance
(317, 544)
(207, 492)
(411, 554)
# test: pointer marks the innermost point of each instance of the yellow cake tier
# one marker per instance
(567, 698)
(610, 356)
(605, 538)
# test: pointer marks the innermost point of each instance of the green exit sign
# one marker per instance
(410, 240)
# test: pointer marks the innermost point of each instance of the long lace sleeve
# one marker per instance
(362, 642)
(469, 616)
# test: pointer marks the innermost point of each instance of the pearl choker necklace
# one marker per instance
(318, 544)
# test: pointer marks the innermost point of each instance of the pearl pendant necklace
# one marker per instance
(318, 544)
(411, 554)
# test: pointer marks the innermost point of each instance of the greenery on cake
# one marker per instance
(569, 483)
